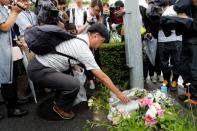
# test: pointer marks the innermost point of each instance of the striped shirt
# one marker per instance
(75, 48)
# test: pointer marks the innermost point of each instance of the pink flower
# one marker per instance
(149, 102)
(160, 113)
(145, 102)
(142, 102)
(149, 120)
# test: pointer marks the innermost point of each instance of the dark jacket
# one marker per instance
(191, 35)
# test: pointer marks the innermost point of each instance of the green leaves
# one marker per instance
(113, 61)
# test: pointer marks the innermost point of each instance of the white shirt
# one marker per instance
(79, 16)
(26, 19)
(89, 16)
(172, 37)
(75, 48)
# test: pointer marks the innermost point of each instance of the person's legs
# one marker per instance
(9, 94)
(157, 67)
(193, 65)
(164, 55)
(184, 68)
(67, 86)
(175, 57)
(147, 68)
(151, 70)
(185, 60)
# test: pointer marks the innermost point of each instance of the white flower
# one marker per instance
(150, 96)
(157, 106)
(111, 100)
(109, 116)
(188, 84)
(152, 111)
(113, 109)
(159, 96)
(90, 102)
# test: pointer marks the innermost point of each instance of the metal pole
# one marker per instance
(132, 23)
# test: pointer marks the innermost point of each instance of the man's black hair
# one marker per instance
(119, 3)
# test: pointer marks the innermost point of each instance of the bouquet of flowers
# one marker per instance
(149, 111)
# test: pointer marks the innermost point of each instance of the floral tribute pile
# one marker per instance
(150, 111)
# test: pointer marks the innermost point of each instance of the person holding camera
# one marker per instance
(26, 18)
(8, 68)
(93, 15)
(78, 15)
(116, 15)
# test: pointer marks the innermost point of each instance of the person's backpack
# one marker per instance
(73, 15)
(43, 39)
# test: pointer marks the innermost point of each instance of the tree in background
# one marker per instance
(105, 1)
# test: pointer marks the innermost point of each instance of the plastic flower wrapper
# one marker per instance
(133, 94)
(123, 109)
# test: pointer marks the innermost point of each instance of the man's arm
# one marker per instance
(15, 10)
(104, 79)
(193, 25)
(9, 23)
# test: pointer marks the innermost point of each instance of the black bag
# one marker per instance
(43, 39)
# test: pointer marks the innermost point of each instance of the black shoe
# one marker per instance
(17, 112)
(22, 101)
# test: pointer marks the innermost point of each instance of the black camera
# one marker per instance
(91, 22)
(13, 2)
(47, 12)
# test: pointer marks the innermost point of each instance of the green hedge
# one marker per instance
(113, 61)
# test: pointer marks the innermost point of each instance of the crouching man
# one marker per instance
(47, 70)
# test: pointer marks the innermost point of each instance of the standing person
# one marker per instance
(47, 70)
(169, 47)
(116, 17)
(189, 50)
(8, 69)
(151, 33)
(106, 16)
(78, 15)
(93, 15)
(26, 18)
(61, 6)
